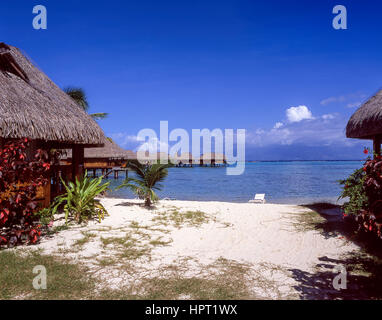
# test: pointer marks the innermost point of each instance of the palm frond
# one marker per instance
(79, 96)
(99, 116)
(147, 179)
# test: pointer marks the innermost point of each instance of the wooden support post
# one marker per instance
(377, 145)
(77, 162)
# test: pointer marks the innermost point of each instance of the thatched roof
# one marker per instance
(32, 106)
(185, 157)
(366, 122)
(151, 157)
(213, 156)
(110, 150)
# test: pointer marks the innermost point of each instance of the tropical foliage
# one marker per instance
(147, 180)
(353, 189)
(364, 190)
(79, 96)
(79, 201)
(22, 177)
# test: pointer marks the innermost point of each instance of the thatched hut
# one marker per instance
(366, 122)
(152, 157)
(186, 158)
(32, 106)
(213, 158)
(109, 156)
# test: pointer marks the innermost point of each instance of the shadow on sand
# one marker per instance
(364, 266)
(135, 204)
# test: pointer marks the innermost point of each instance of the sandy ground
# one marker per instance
(264, 237)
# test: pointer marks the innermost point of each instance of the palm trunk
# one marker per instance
(147, 201)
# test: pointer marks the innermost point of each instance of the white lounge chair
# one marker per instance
(259, 198)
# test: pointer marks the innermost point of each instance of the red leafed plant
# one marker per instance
(20, 178)
(371, 219)
(364, 190)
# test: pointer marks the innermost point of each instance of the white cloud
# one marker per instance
(124, 139)
(278, 125)
(273, 136)
(129, 141)
(354, 104)
(326, 130)
(353, 100)
(328, 116)
(333, 99)
(297, 114)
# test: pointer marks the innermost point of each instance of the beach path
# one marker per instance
(253, 251)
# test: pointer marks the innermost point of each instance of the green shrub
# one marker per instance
(79, 200)
(364, 190)
(353, 188)
(148, 178)
(45, 216)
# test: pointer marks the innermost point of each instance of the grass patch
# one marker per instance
(307, 221)
(178, 218)
(116, 241)
(64, 280)
(106, 261)
(222, 280)
(104, 229)
(159, 242)
(133, 253)
(87, 238)
(57, 229)
(329, 225)
(317, 218)
(135, 244)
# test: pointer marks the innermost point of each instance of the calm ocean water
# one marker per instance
(283, 182)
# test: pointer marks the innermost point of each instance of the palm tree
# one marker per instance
(147, 178)
(79, 96)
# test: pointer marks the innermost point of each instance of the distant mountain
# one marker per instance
(303, 152)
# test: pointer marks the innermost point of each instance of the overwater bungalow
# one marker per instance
(110, 158)
(32, 106)
(213, 159)
(185, 159)
(366, 122)
(152, 157)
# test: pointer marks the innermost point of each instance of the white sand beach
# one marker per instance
(268, 243)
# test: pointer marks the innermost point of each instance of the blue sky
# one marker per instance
(275, 68)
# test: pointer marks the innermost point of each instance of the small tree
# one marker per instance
(147, 180)
(353, 189)
(20, 179)
(80, 200)
(364, 190)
